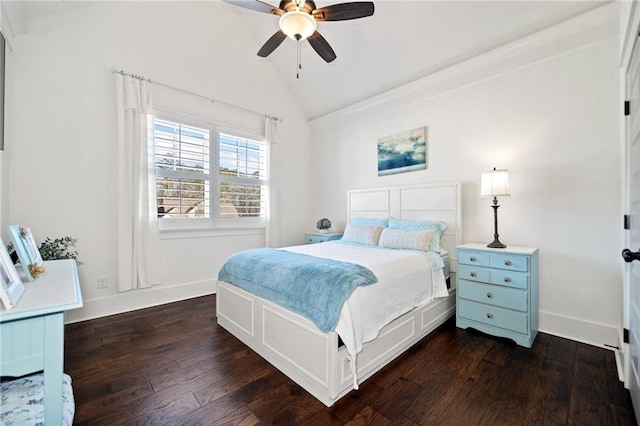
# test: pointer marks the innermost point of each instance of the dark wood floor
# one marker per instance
(173, 365)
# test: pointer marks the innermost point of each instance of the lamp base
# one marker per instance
(496, 244)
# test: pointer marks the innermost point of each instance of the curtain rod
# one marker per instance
(157, 83)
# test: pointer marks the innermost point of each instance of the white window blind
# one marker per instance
(242, 177)
(208, 176)
(182, 170)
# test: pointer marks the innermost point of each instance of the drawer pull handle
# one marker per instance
(473, 274)
(490, 315)
(507, 262)
(490, 295)
(507, 279)
(473, 259)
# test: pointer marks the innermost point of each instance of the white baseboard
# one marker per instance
(139, 299)
(580, 330)
(591, 333)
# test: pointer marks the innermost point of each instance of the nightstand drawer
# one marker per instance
(321, 238)
(510, 279)
(476, 258)
(474, 273)
(493, 295)
(493, 315)
(512, 262)
(313, 239)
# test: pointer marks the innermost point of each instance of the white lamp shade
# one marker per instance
(495, 184)
(297, 23)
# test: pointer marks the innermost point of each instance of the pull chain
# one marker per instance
(299, 65)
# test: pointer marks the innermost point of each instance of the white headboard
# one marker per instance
(431, 201)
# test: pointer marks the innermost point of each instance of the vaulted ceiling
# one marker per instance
(402, 41)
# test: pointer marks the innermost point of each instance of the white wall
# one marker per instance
(547, 109)
(62, 145)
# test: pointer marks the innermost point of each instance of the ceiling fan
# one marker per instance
(299, 20)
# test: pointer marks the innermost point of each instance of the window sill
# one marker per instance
(186, 233)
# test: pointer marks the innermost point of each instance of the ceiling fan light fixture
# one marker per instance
(298, 25)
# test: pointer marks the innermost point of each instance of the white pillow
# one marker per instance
(368, 235)
(405, 239)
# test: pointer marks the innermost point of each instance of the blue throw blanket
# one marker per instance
(310, 286)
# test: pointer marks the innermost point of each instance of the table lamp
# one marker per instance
(495, 184)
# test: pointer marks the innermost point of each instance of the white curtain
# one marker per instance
(138, 236)
(272, 220)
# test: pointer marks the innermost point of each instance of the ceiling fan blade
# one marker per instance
(306, 6)
(271, 44)
(344, 11)
(321, 46)
(256, 5)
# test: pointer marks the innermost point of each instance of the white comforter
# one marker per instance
(405, 280)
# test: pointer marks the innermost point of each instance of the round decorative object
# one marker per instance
(323, 225)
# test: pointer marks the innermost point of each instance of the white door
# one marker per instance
(632, 254)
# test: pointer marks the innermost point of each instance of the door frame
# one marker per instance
(630, 31)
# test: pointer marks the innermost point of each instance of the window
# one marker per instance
(182, 170)
(208, 176)
(241, 177)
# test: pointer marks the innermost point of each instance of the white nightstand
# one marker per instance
(320, 238)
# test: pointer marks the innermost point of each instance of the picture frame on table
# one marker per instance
(11, 287)
(27, 250)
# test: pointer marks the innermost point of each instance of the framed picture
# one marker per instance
(403, 152)
(27, 250)
(11, 287)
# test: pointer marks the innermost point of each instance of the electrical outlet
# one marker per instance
(103, 281)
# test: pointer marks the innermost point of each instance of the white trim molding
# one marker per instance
(140, 299)
(580, 330)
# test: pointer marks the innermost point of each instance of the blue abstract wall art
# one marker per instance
(403, 152)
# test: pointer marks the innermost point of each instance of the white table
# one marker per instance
(32, 333)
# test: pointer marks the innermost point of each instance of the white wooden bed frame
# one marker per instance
(311, 358)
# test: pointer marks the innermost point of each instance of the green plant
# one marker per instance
(58, 248)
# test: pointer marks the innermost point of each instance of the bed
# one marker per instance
(331, 364)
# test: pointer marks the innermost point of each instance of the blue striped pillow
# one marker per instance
(438, 229)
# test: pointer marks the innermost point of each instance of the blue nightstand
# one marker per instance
(321, 238)
(497, 291)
